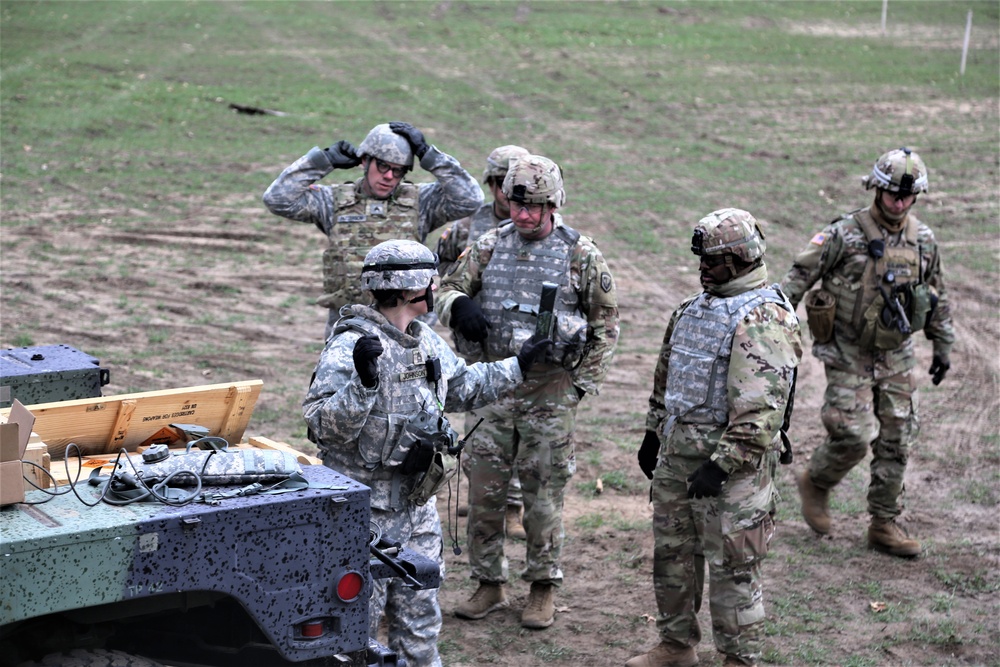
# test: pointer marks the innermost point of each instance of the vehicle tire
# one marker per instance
(92, 658)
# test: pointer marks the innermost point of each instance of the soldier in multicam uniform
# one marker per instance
(376, 411)
(456, 238)
(881, 283)
(493, 297)
(378, 206)
(720, 392)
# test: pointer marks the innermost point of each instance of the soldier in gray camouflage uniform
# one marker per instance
(375, 409)
(493, 297)
(376, 207)
(881, 283)
(720, 391)
(456, 238)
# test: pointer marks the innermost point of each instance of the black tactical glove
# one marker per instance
(343, 155)
(366, 354)
(649, 454)
(532, 349)
(418, 459)
(707, 480)
(413, 135)
(939, 367)
(467, 318)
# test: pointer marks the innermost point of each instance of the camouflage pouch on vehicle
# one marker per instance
(214, 468)
(821, 307)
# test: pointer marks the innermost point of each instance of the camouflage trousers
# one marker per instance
(413, 618)
(530, 432)
(730, 534)
(514, 496)
(861, 413)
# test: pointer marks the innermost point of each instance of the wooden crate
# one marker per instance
(107, 424)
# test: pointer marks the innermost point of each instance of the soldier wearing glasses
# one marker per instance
(376, 207)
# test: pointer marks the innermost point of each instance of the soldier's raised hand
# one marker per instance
(467, 318)
(343, 155)
(366, 353)
(413, 135)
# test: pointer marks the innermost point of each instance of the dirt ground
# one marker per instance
(210, 299)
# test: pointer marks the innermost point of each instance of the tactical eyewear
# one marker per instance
(385, 167)
(533, 210)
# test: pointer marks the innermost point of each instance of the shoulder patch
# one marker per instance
(818, 239)
(606, 282)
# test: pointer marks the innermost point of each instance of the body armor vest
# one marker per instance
(399, 399)
(360, 223)
(700, 349)
(859, 300)
(481, 222)
(512, 283)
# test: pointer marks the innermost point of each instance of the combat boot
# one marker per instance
(666, 654)
(815, 504)
(488, 597)
(515, 529)
(733, 661)
(886, 536)
(540, 611)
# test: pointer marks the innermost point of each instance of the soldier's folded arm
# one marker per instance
(294, 195)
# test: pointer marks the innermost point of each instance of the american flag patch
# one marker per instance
(818, 239)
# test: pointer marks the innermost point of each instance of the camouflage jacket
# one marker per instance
(357, 428)
(463, 233)
(837, 256)
(766, 348)
(589, 277)
(295, 195)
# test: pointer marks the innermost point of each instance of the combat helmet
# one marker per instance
(534, 179)
(387, 146)
(399, 264)
(900, 170)
(498, 162)
(729, 231)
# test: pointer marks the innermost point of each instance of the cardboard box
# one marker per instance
(14, 436)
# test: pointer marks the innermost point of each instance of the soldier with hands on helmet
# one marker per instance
(375, 409)
(493, 297)
(459, 235)
(713, 435)
(879, 270)
(378, 206)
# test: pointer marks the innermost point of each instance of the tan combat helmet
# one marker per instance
(534, 179)
(399, 265)
(729, 231)
(498, 162)
(387, 146)
(900, 171)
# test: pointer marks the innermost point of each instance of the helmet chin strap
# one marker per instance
(427, 296)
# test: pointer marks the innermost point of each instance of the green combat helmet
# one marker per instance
(499, 161)
(387, 146)
(899, 170)
(729, 231)
(398, 265)
(534, 179)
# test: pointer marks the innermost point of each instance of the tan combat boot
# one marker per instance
(666, 654)
(515, 529)
(885, 536)
(487, 598)
(540, 611)
(815, 504)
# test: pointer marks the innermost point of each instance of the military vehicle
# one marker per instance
(233, 579)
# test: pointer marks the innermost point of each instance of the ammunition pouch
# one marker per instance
(880, 330)
(821, 307)
(442, 468)
(426, 427)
